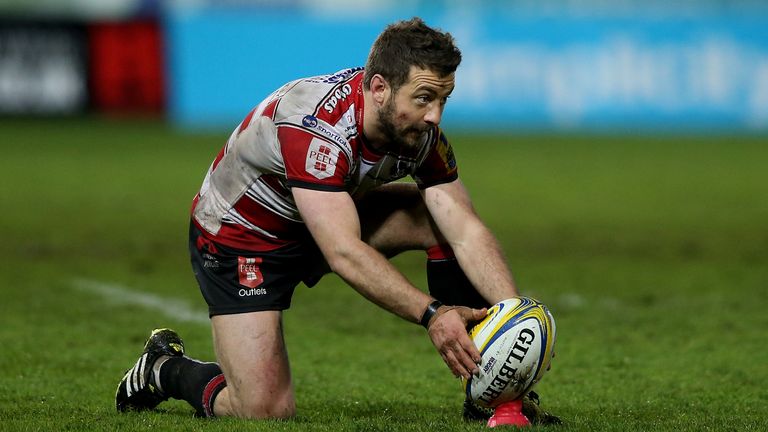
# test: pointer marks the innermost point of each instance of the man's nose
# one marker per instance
(434, 114)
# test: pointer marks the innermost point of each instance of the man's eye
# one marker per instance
(423, 99)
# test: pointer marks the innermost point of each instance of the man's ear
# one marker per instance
(380, 89)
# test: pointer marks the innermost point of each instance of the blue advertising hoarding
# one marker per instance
(520, 71)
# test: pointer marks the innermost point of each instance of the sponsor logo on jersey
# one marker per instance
(338, 77)
(325, 130)
(321, 159)
(210, 261)
(337, 96)
(249, 273)
(332, 135)
(341, 75)
(309, 121)
(451, 164)
(347, 123)
(251, 292)
(446, 152)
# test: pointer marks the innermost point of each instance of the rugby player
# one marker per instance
(303, 187)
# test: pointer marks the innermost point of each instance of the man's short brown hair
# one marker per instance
(410, 43)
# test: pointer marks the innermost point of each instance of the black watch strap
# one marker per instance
(429, 313)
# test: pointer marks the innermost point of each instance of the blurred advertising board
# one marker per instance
(521, 70)
(127, 66)
(42, 68)
(57, 68)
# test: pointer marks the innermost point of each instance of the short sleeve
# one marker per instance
(312, 162)
(439, 166)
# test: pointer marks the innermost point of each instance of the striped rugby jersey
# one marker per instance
(306, 134)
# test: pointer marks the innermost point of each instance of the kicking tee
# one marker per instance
(307, 134)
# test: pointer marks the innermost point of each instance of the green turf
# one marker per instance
(652, 254)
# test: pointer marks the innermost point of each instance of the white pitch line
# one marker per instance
(170, 307)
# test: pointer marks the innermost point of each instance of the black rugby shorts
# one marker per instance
(237, 281)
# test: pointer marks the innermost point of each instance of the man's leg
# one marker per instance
(395, 219)
(251, 379)
(251, 351)
(447, 281)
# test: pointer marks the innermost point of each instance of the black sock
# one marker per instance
(447, 281)
(193, 381)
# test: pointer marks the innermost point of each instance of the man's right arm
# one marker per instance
(332, 219)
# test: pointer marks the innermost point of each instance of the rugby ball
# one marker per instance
(516, 340)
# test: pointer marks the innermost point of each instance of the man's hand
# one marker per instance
(448, 331)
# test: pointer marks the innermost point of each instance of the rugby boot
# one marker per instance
(475, 412)
(537, 415)
(138, 390)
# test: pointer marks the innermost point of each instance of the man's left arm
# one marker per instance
(476, 248)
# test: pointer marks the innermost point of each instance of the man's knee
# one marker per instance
(395, 218)
(255, 366)
(263, 406)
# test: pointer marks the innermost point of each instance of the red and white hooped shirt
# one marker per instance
(306, 134)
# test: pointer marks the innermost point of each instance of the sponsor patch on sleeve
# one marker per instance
(446, 153)
(321, 159)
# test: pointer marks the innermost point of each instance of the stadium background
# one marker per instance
(626, 65)
(617, 148)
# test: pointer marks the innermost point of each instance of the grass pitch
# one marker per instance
(652, 254)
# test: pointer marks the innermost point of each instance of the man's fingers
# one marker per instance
(458, 361)
(472, 351)
(480, 314)
(450, 360)
(469, 365)
(448, 333)
(471, 316)
(466, 357)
